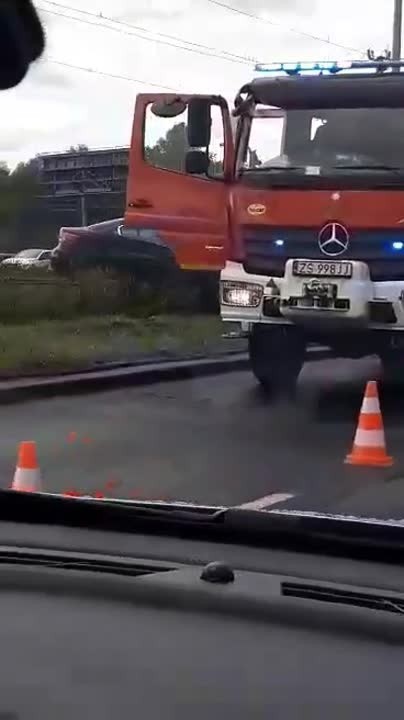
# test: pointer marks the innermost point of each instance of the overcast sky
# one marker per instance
(57, 106)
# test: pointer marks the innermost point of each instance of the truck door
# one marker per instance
(180, 171)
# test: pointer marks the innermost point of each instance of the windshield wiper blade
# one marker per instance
(276, 167)
(75, 510)
(385, 168)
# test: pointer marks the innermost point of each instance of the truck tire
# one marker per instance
(277, 354)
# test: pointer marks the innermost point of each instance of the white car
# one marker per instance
(31, 258)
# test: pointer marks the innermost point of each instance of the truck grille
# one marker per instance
(267, 249)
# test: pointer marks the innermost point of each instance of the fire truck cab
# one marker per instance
(306, 219)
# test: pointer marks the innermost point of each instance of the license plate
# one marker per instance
(320, 268)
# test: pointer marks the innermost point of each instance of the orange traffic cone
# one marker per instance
(27, 476)
(369, 446)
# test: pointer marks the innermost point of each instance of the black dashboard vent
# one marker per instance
(83, 562)
(329, 594)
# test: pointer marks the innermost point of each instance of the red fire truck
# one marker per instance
(308, 233)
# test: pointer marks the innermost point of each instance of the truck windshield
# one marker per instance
(327, 142)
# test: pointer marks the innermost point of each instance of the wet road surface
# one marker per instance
(218, 441)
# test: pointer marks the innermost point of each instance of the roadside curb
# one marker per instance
(94, 381)
(24, 390)
(110, 365)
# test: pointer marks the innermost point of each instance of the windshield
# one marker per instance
(221, 326)
(28, 254)
(326, 142)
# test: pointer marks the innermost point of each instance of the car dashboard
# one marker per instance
(103, 624)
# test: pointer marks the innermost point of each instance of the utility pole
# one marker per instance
(397, 28)
(81, 193)
(83, 208)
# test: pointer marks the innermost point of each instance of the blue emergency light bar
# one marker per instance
(325, 67)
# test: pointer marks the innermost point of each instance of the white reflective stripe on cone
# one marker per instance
(370, 405)
(26, 479)
(369, 438)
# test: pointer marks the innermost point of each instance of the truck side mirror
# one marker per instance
(199, 122)
(196, 162)
(168, 108)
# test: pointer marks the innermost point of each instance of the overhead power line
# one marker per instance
(138, 31)
(286, 28)
(111, 75)
(165, 39)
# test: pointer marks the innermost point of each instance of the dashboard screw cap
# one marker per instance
(217, 572)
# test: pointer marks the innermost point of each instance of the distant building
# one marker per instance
(88, 183)
(102, 170)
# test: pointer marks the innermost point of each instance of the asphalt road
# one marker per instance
(216, 440)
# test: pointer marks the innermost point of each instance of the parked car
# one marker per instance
(30, 258)
(108, 244)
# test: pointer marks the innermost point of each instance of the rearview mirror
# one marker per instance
(196, 162)
(168, 108)
(199, 122)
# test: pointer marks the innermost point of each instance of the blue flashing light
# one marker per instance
(296, 68)
(397, 245)
(279, 243)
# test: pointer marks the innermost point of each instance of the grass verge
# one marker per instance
(46, 346)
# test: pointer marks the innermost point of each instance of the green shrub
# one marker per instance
(27, 295)
(45, 346)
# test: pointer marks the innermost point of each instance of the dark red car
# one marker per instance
(109, 245)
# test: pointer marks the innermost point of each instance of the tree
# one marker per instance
(24, 184)
(253, 160)
(169, 151)
(80, 148)
(17, 190)
(4, 184)
(28, 169)
(216, 166)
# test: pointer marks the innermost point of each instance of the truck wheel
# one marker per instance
(277, 356)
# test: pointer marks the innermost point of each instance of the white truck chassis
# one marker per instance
(332, 303)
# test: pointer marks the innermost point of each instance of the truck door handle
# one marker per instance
(141, 203)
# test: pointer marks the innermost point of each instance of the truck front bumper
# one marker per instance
(308, 296)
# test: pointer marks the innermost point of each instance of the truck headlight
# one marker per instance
(241, 294)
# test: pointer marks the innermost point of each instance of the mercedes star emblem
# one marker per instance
(333, 239)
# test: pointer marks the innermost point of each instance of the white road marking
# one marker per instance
(266, 501)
